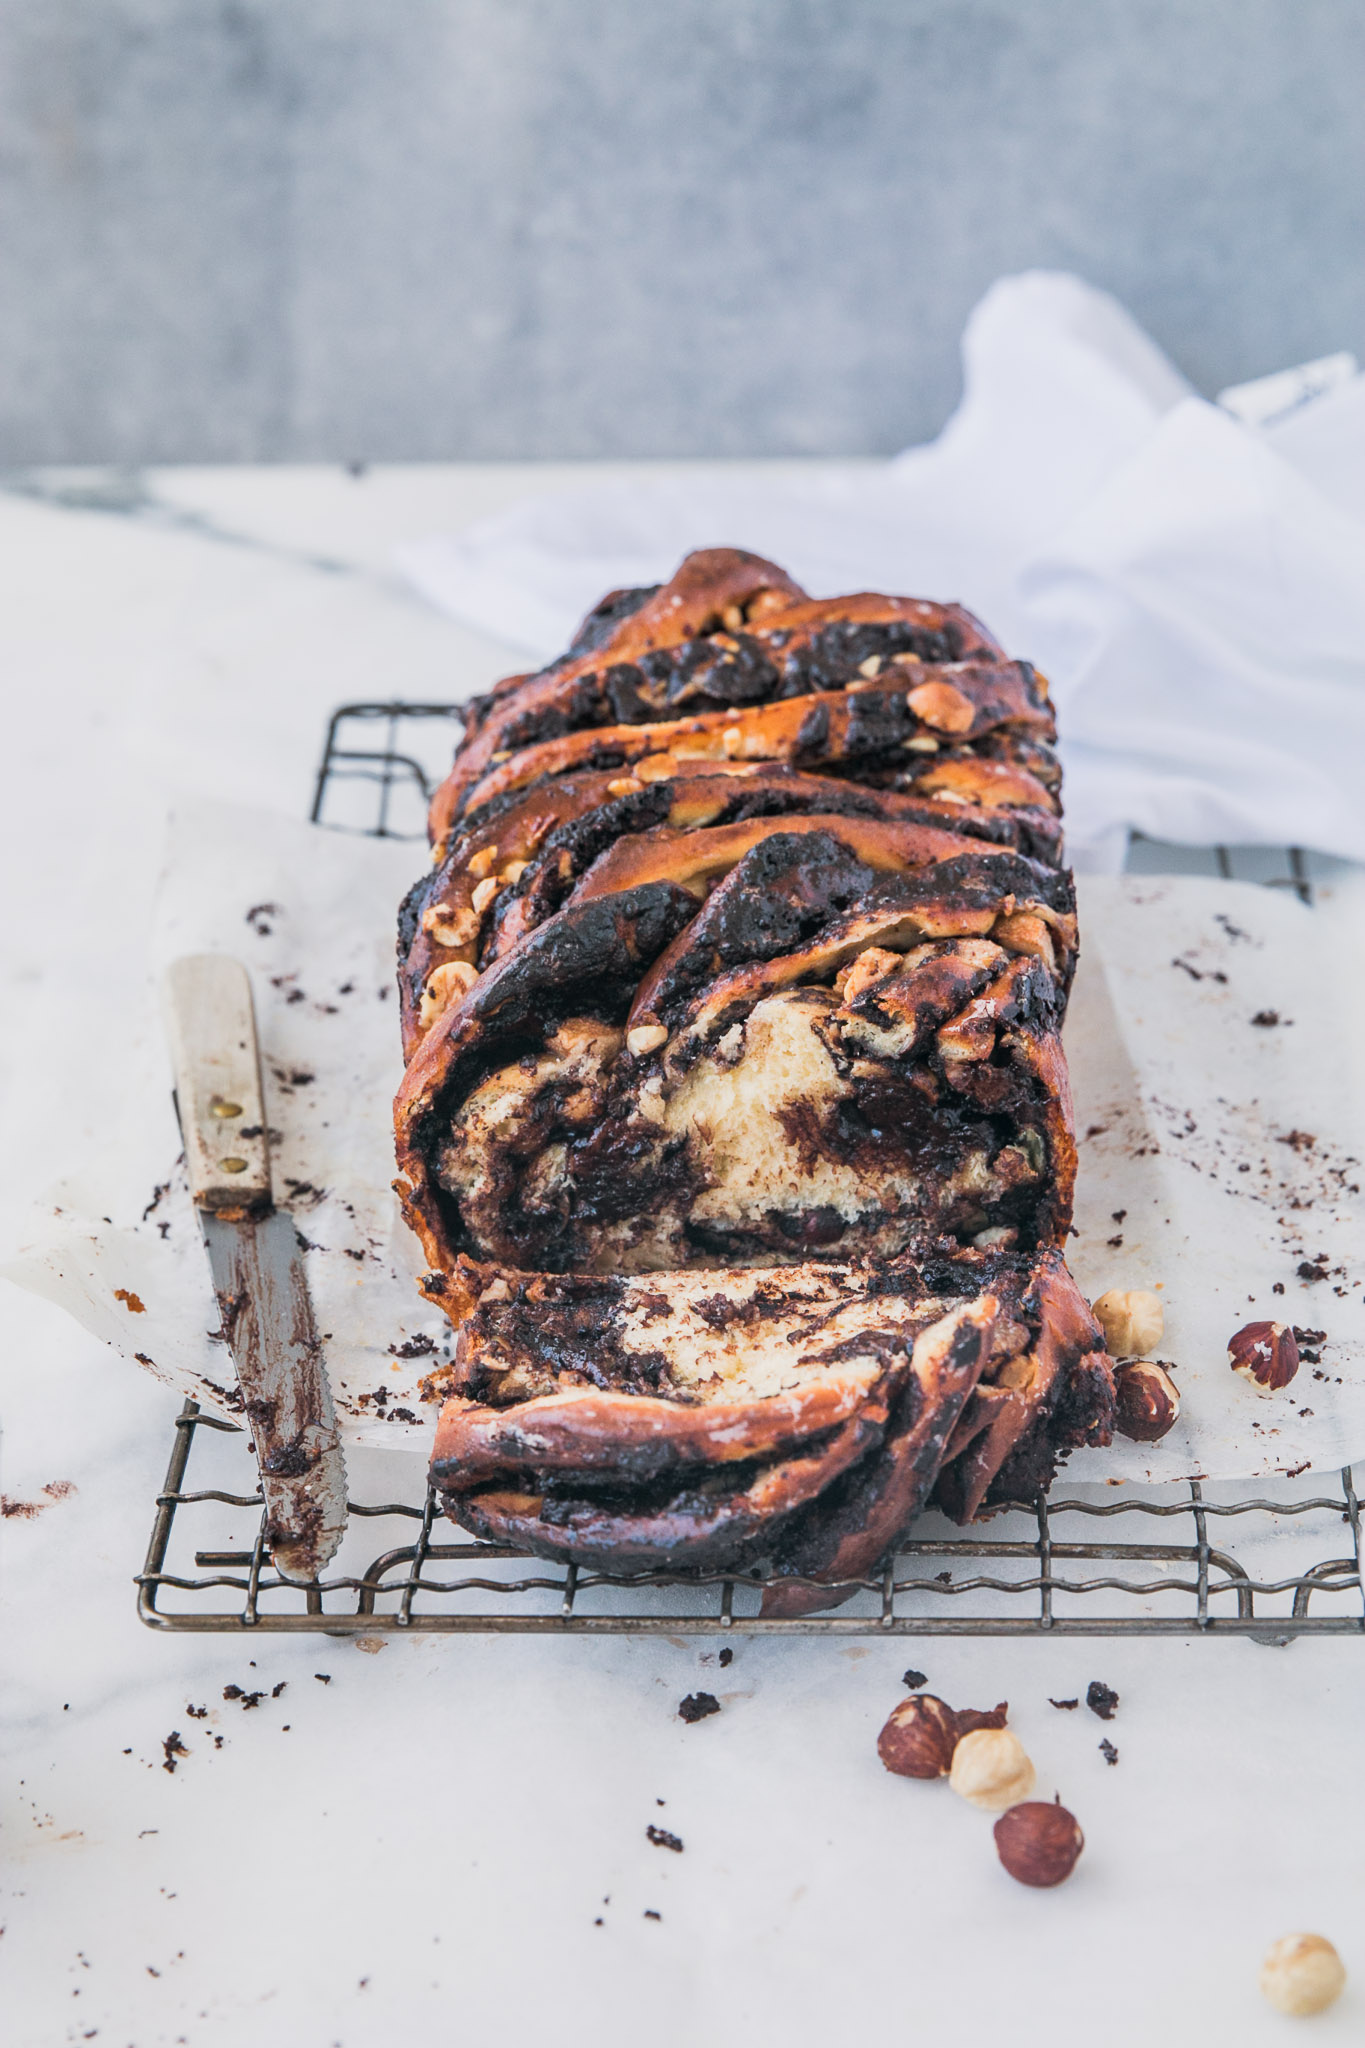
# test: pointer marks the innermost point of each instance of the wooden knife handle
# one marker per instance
(212, 1029)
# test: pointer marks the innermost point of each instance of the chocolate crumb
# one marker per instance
(276, 1690)
(1067, 1705)
(914, 1679)
(650, 1914)
(662, 1839)
(697, 1706)
(197, 1713)
(1265, 1018)
(727, 1656)
(248, 1699)
(323, 1677)
(1108, 1751)
(173, 1749)
(419, 1346)
(1101, 1699)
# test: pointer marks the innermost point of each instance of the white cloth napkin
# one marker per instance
(1192, 584)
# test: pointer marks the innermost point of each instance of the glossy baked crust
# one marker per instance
(735, 1125)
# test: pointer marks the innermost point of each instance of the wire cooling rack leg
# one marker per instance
(1202, 1538)
(185, 1423)
(1045, 1616)
(1348, 1487)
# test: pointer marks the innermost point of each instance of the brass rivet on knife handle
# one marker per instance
(212, 1029)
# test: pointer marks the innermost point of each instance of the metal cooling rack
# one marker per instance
(1177, 1560)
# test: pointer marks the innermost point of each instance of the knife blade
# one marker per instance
(256, 1262)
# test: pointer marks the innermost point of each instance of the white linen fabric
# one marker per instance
(1193, 586)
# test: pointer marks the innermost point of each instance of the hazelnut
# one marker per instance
(991, 1769)
(919, 1739)
(1148, 1403)
(646, 1038)
(1132, 1321)
(1037, 1843)
(1266, 1355)
(448, 926)
(872, 965)
(943, 707)
(444, 986)
(1302, 1973)
(624, 785)
(514, 871)
(483, 862)
(484, 892)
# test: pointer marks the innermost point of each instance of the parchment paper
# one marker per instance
(1220, 1157)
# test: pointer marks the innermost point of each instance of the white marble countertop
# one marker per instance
(449, 1835)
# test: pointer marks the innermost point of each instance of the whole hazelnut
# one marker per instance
(1037, 1843)
(1302, 1973)
(1132, 1321)
(991, 1770)
(1148, 1403)
(919, 1739)
(1266, 1355)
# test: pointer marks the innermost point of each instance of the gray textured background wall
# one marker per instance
(408, 228)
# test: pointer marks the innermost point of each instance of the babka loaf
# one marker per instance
(735, 1124)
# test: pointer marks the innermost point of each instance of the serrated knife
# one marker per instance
(256, 1262)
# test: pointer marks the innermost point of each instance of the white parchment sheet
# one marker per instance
(1220, 1157)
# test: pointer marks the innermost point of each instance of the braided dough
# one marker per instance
(736, 1126)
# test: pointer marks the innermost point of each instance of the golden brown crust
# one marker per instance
(498, 881)
(812, 730)
(633, 1436)
(715, 1522)
(707, 585)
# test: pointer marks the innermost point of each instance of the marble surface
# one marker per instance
(430, 1838)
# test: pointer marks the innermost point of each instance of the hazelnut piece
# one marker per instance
(1131, 1319)
(919, 1739)
(1302, 1973)
(445, 985)
(872, 965)
(1266, 1355)
(1037, 1843)
(991, 1769)
(646, 1038)
(1148, 1403)
(484, 892)
(942, 706)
